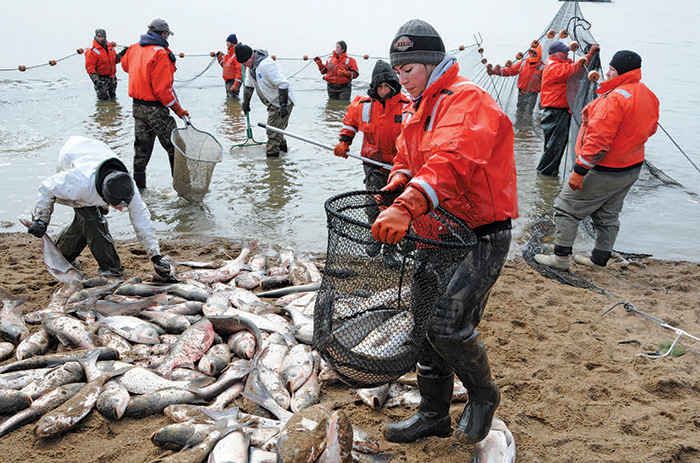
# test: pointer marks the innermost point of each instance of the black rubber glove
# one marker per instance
(121, 54)
(37, 228)
(284, 98)
(161, 267)
(247, 95)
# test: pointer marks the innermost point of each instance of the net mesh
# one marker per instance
(196, 155)
(376, 300)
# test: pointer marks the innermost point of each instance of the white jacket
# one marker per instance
(267, 79)
(74, 185)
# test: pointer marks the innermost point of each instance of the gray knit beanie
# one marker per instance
(416, 42)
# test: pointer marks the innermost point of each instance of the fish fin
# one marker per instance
(218, 415)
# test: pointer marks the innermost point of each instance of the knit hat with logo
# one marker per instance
(416, 42)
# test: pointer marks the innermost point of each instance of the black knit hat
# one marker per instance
(243, 52)
(416, 42)
(118, 187)
(625, 61)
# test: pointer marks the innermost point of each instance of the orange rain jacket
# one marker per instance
(380, 124)
(151, 73)
(458, 149)
(232, 68)
(336, 62)
(615, 126)
(100, 61)
(554, 77)
(529, 72)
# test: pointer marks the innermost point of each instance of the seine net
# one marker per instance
(376, 300)
(196, 155)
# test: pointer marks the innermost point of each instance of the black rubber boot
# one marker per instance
(484, 396)
(140, 179)
(433, 416)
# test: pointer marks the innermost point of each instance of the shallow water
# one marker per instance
(281, 200)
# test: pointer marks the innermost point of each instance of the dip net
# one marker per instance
(196, 155)
(376, 301)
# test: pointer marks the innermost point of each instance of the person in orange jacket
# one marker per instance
(529, 72)
(378, 116)
(609, 157)
(556, 115)
(151, 68)
(455, 151)
(101, 65)
(339, 71)
(233, 73)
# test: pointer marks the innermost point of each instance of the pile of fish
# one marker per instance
(188, 348)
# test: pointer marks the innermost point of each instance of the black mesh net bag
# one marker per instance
(376, 300)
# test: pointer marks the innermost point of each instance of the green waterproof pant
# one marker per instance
(89, 228)
(276, 140)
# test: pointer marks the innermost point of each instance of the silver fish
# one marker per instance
(41, 406)
(304, 435)
(233, 448)
(308, 394)
(143, 289)
(113, 400)
(497, 447)
(184, 412)
(350, 306)
(256, 392)
(235, 372)
(19, 379)
(215, 360)
(384, 340)
(171, 322)
(12, 326)
(109, 309)
(93, 293)
(190, 290)
(68, 330)
(297, 367)
(58, 302)
(242, 344)
(338, 439)
(189, 348)
(155, 402)
(258, 455)
(133, 329)
(108, 338)
(58, 266)
(6, 349)
(176, 436)
(41, 361)
(229, 270)
(71, 372)
(304, 324)
(12, 401)
(35, 344)
(139, 380)
(227, 396)
(71, 412)
(250, 280)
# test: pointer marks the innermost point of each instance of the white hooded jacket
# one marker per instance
(74, 185)
(267, 79)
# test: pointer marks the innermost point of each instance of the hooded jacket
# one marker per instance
(267, 79)
(554, 77)
(529, 72)
(337, 62)
(101, 60)
(233, 70)
(615, 127)
(378, 120)
(151, 68)
(81, 163)
(457, 148)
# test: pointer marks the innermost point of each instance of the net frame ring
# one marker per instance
(573, 46)
(594, 76)
(563, 33)
(551, 34)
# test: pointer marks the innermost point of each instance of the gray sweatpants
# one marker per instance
(601, 197)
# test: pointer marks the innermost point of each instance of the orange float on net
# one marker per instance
(582, 61)
(497, 68)
(461, 48)
(481, 51)
(573, 46)
(113, 44)
(534, 44)
(181, 55)
(274, 57)
(593, 76)
(551, 34)
(366, 56)
(79, 51)
(484, 60)
(22, 68)
(489, 67)
(52, 62)
(508, 63)
(212, 54)
(519, 55)
(563, 33)
(305, 57)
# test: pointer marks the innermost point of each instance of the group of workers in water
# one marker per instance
(451, 146)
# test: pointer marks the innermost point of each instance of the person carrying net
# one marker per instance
(455, 151)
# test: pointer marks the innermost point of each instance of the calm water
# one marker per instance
(281, 200)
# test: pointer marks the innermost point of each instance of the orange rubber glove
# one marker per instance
(398, 181)
(177, 109)
(236, 85)
(319, 63)
(342, 72)
(341, 149)
(393, 223)
(575, 181)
